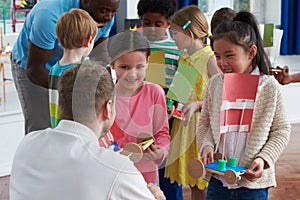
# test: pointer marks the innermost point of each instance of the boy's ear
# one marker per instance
(87, 41)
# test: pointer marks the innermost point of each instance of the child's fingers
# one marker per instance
(154, 147)
(253, 175)
(255, 171)
(208, 155)
(153, 152)
(156, 191)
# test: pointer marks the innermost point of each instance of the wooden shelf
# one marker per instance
(16, 10)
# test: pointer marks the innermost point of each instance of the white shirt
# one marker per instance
(66, 163)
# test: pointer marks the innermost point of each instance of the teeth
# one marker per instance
(131, 80)
(227, 70)
(101, 24)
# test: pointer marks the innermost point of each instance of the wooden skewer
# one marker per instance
(2, 40)
(224, 141)
(239, 131)
(284, 70)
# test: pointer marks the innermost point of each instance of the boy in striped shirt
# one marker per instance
(154, 15)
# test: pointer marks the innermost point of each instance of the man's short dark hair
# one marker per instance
(83, 90)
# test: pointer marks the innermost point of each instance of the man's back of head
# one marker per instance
(83, 91)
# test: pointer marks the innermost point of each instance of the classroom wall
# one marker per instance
(11, 133)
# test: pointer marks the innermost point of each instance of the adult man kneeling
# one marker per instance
(66, 162)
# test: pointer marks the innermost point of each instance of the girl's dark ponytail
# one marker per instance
(261, 59)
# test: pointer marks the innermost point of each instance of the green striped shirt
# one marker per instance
(54, 75)
(172, 55)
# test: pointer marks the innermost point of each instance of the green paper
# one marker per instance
(268, 35)
(183, 83)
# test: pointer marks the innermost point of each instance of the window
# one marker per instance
(9, 5)
(258, 8)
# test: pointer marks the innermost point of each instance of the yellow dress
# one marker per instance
(183, 146)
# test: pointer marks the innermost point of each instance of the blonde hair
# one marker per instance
(75, 26)
(198, 28)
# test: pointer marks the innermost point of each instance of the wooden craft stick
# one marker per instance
(145, 144)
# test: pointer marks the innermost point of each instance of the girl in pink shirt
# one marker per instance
(140, 105)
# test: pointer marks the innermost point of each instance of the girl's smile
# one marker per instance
(233, 58)
(130, 71)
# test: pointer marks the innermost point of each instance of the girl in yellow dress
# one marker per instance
(190, 31)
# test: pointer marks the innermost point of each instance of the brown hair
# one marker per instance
(128, 41)
(75, 26)
(198, 28)
(221, 15)
(83, 90)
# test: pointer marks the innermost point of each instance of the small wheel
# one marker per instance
(195, 168)
(134, 152)
(219, 156)
(230, 177)
(285, 70)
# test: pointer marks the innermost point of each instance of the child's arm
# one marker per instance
(156, 191)
(160, 127)
(290, 78)
(280, 128)
(204, 135)
(212, 67)
(190, 109)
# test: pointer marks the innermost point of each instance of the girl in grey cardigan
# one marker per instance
(239, 49)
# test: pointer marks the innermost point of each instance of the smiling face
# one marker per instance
(130, 71)
(102, 11)
(232, 58)
(154, 26)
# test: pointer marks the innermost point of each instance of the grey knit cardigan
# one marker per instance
(270, 129)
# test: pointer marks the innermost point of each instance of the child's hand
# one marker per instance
(255, 171)
(153, 152)
(188, 111)
(156, 191)
(208, 155)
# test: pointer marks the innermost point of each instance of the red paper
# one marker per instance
(239, 93)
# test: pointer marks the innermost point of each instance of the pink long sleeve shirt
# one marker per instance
(143, 112)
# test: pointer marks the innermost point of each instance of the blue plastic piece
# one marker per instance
(214, 166)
